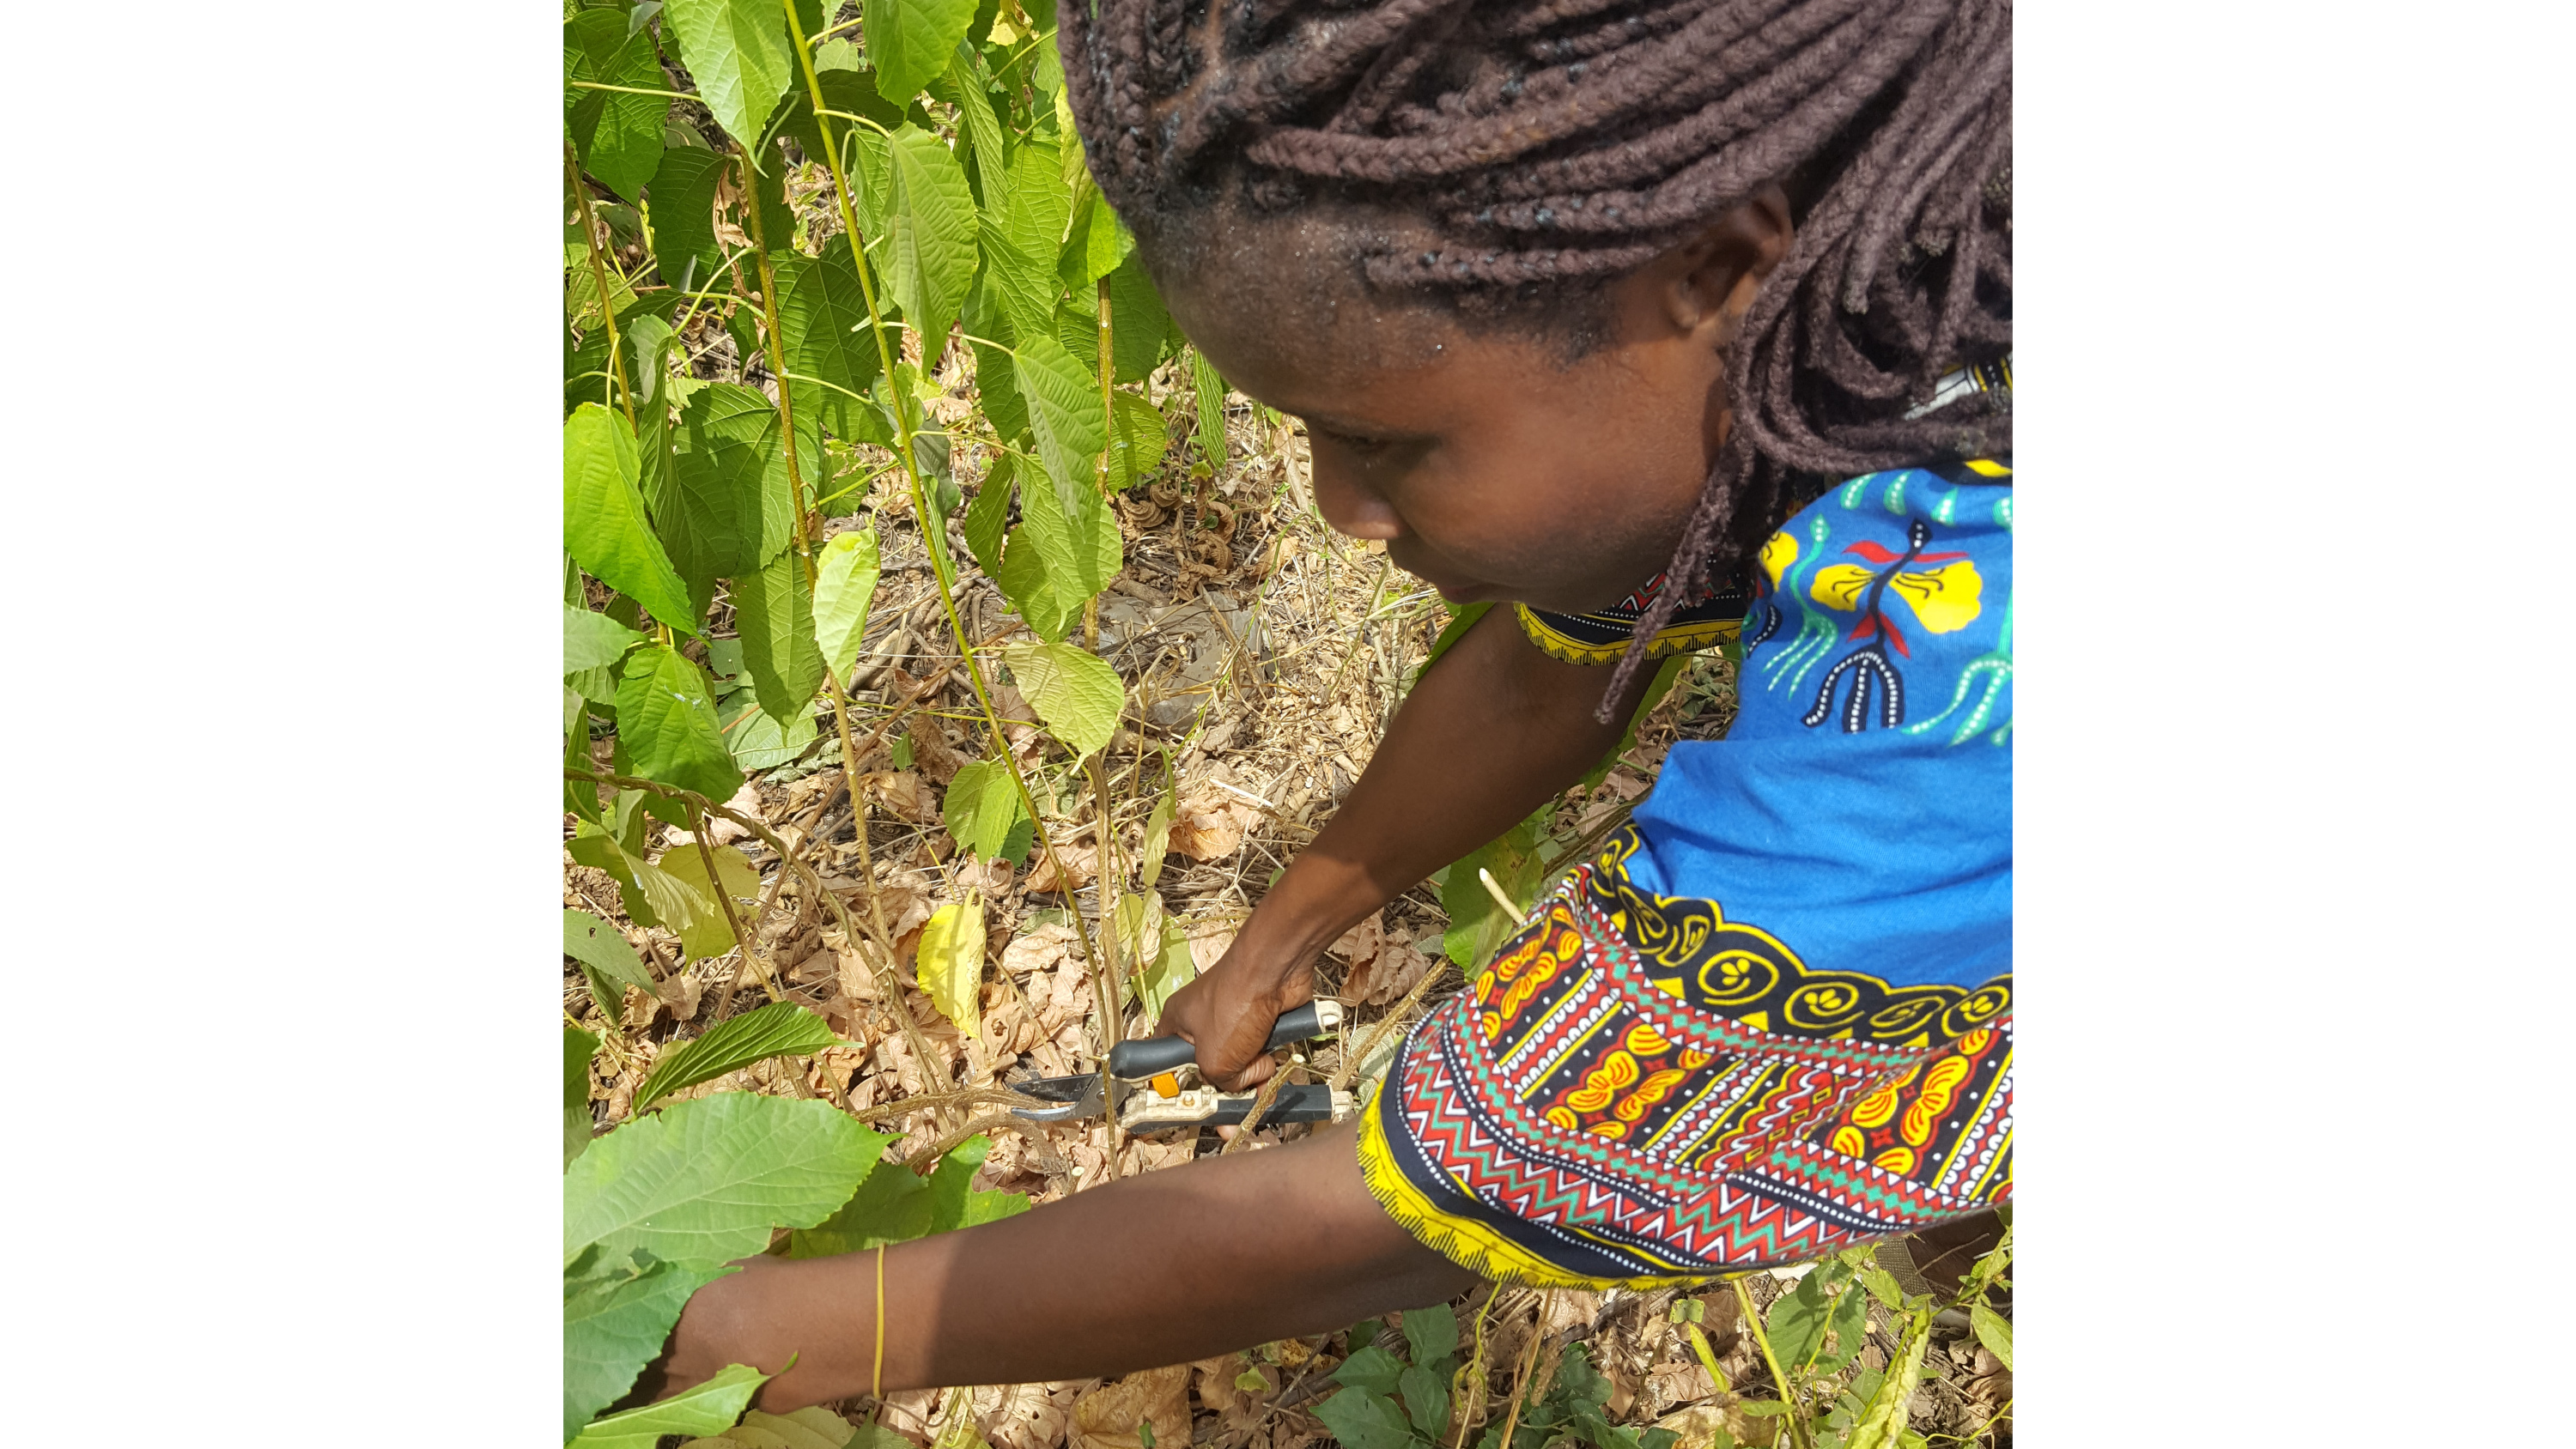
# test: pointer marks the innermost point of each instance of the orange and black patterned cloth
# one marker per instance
(1773, 1018)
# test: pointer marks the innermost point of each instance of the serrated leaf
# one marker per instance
(622, 144)
(1361, 1419)
(759, 742)
(682, 196)
(1210, 390)
(1095, 242)
(779, 1029)
(593, 640)
(1074, 690)
(897, 1205)
(825, 334)
(1136, 447)
(1138, 321)
(982, 131)
(1158, 841)
(1041, 203)
(666, 719)
(616, 1316)
(1064, 413)
(604, 520)
(845, 581)
(775, 613)
(596, 944)
(736, 428)
(986, 516)
(1796, 1323)
(707, 1181)
(911, 41)
(1994, 1331)
(578, 1047)
(710, 934)
(982, 808)
(709, 1408)
(639, 885)
(950, 963)
(1066, 560)
(930, 235)
(736, 51)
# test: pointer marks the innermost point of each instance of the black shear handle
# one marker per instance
(1136, 1060)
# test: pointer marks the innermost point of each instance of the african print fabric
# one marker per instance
(1708, 622)
(1773, 1018)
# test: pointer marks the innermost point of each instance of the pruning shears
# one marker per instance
(1145, 1090)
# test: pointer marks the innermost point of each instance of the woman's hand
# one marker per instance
(1227, 1013)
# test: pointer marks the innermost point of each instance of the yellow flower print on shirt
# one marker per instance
(1778, 556)
(1946, 599)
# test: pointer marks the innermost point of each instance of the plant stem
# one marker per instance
(1521, 1380)
(733, 919)
(1109, 441)
(932, 544)
(1753, 1325)
(630, 90)
(599, 275)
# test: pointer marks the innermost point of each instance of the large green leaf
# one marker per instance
(911, 41)
(1064, 412)
(736, 51)
(897, 1205)
(988, 322)
(617, 1313)
(596, 944)
(845, 581)
(930, 226)
(1080, 551)
(1136, 448)
(604, 519)
(1095, 242)
(709, 1408)
(759, 742)
(1041, 203)
(682, 198)
(982, 811)
(622, 143)
(779, 1029)
(711, 934)
(774, 609)
(578, 1047)
(824, 331)
(733, 494)
(592, 640)
(666, 718)
(1138, 323)
(1477, 924)
(982, 131)
(1210, 390)
(1364, 1420)
(1075, 691)
(706, 1181)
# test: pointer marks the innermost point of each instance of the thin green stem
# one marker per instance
(934, 545)
(1761, 1340)
(599, 276)
(631, 90)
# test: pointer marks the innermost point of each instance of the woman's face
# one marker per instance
(1491, 467)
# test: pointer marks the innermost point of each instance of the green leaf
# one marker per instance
(616, 1315)
(710, 934)
(1477, 925)
(1079, 548)
(1064, 412)
(1074, 690)
(593, 640)
(666, 718)
(1041, 204)
(1426, 1401)
(707, 1181)
(709, 1408)
(1993, 1330)
(896, 1205)
(911, 41)
(950, 962)
(1137, 446)
(824, 333)
(1850, 1324)
(1797, 1322)
(1370, 1368)
(1158, 840)
(651, 897)
(775, 613)
(682, 196)
(779, 1029)
(736, 51)
(1882, 1420)
(1096, 241)
(982, 131)
(1138, 323)
(604, 520)
(1210, 390)
(741, 425)
(1364, 1420)
(759, 742)
(623, 142)
(578, 1046)
(987, 514)
(982, 809)
(596, 944)
(930, 235)
(1432, 1332)
(845, 581)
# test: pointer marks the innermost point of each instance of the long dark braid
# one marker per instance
(1550, 146)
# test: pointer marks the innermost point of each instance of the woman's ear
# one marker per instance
(1710, 279)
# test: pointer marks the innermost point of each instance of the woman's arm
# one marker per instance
(1493, 730)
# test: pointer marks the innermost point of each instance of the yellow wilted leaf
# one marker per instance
(708, 934)
(951, 961)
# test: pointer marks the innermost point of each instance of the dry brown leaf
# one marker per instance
(1211, 833)
(906, 794)
(1023, 1416)
(1039, 949)
(1361, 943)
(1697, 1426)
(1394, 972)
(1106, 1418)
(1081, 863)
(932, 755)
(1209, 941)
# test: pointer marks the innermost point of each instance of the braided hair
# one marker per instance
(1551, 146)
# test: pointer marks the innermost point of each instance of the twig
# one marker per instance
(733, 919)
(1521, 1381)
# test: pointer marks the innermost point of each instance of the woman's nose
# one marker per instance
(1348, 503)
